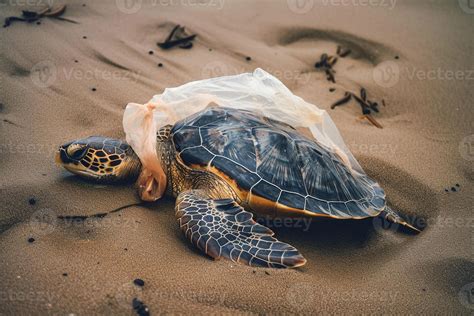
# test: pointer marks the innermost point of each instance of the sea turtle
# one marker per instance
(224, 164)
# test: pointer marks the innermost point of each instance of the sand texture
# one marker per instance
(48, 74)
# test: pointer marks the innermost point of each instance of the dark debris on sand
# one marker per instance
(454, 188)
(33, 16)
(367, 106)
(139, 282)
(140, 308)
(178, 37)
(326, 63)
(343, 52)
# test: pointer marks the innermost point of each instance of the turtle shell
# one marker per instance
(274, 168)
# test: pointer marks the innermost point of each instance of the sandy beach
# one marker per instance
(69, 78)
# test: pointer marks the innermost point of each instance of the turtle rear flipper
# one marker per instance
(222, 228)
(393, 217)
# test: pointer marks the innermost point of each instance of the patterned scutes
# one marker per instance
(273, 161)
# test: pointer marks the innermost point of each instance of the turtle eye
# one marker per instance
(76, 151)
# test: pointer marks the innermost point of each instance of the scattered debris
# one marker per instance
(178, 37)
(344, 100)
(139, 282)
(325, 63)
(11, 122)
(366, 105)
(267, 273)
(343, 52)
(372, 120)
(363, 94)
(32, 16)
(140, 308)
(454, 188)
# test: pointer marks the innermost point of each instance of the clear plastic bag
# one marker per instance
(258, 92)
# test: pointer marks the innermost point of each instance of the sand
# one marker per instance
(353, 267)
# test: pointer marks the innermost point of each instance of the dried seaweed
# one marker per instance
(344, 52)
(33, 16)
(366, 105)
(373, 106)
(363, 94)
(178, 37)
(325, 63)
(344, 100)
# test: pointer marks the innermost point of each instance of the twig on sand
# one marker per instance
(33, 16)
(343, 52)
(55, 13)
(372, 120)
(365, 107)
(178, 37)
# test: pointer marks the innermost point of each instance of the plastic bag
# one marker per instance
(258, 92)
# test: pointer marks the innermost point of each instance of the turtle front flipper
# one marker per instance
(222, 228)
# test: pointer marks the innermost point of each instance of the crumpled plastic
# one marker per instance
(259, 92)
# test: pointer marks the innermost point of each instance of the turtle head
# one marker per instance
(100, 159)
